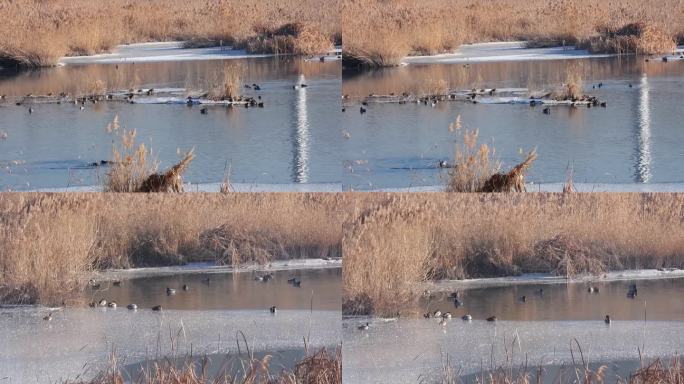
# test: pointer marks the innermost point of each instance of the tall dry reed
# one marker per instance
(51, 242)
(395, 241)
(381, 33)
(38, 33)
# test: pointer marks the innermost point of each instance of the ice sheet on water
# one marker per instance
(209, 267)
(404, 350)
(159, 52)
(504, 51)
(38, 351)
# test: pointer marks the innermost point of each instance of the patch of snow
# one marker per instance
(503, 51)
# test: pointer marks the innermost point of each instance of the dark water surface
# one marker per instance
(636, 139)
(293, 139)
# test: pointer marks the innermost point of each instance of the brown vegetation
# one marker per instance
(655, 372)
(133, 171)
(52, 241)
(394, 241)
(381, 33)
(476, 169)
(320, 367)
(38, 33)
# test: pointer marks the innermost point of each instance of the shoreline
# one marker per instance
(172, 51)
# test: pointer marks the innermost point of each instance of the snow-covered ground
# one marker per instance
(169, 51)
(502, 51)
(204, 268)
(545, 278)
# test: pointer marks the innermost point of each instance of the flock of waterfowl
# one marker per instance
(486, 95)
(455, 297)
(104, 303)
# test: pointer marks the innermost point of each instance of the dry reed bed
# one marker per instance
(321, 367)
(655, 372)
(38, 33)
(394, 241)
(52, 241)
(380, 33)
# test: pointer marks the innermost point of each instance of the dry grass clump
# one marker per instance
(476, 169)
(658, 372)
(637, 37)
(226, 84)
(37, 33)
(297, 38)
(394, 241)
(133, 171)
(381, 33)
(320, 367)
(51, 242)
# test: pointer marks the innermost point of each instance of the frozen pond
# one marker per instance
(291, 140)
(631, 141)
(543, 327)
(406, 350)
(205, 319)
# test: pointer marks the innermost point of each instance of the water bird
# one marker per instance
(92, 304)
(362, 110)
(81, 107)
(150, 92)
(48, 317)
(102, 303)
(157, 308)
(207, 280)
(547, 111)
(343, 109)
(458, 303)
(540, 291)
(260, 104)
(364, 327)
(297, 284)
(592, 289)
(446, 315)
(443, 322)
(603, 104)
(112, 304)
(268, 277)
(30, 110)
(185, 287)
(93, 284)
(257, 88)
(523, 299)
(170, 291)
(116, 283)
(630, 85)
(466, 318)
(443, 164)
(364, 103)
(204, 110)
(664, 59)
(321, 59)
(600, 85)
(291, 280)
(491, 318)
(248, 86)
(437, 313)
(607, 320)
(273, 309)
(433, 104)
(132, 307)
